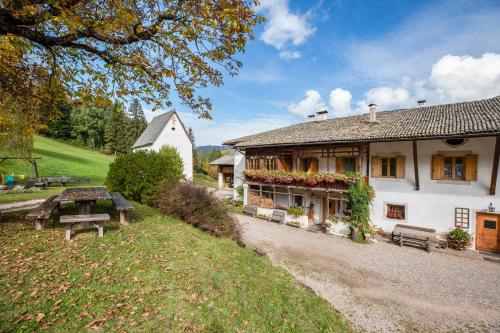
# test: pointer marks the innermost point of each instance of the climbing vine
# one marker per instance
(360, 198)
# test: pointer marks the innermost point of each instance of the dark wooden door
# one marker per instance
(488, 232)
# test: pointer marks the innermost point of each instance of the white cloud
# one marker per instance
(309, 105)
(340, 102)
(450, 27)
(459, 78)
(386, 97)
(289, 55)
(283, 28)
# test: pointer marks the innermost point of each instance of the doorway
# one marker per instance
(488, 232)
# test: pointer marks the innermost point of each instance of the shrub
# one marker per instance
(295, 211)
(137, 175)
(240, 191)
(459, 239)
(196, 206)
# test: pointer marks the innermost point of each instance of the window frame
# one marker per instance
(462, 211)
(395, 204)
(388, 167)
(453, 167)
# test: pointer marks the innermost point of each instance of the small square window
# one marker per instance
(462, 217)
(397, 212)
(298, 200)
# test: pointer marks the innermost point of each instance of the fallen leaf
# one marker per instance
(39, 317)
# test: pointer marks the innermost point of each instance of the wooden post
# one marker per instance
(328, 159)
(415, 165)
(260, 194)
(289, 198)
(368, 164)
(494, 171)
(124, 217)
(68, 231)
(360, 158)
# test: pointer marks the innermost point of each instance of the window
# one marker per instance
(462, 218)
(458, 167)
(270, 163)
(389, 167)
(253, 164)
(298, 201)
(454, 168)
(455, 142)
(310, 165)
(350, 164)
(397, 212)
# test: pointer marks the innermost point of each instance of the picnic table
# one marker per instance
(84, 197)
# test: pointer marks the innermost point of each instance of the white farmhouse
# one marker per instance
(168, 130)
(430, 166)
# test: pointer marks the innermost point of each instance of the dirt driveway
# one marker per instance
(384, 288)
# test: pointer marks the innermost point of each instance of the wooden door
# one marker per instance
(488, 232)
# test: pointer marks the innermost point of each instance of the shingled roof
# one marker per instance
(224, 160)
(460, 119)
(154, 129)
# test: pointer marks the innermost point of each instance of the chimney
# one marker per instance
(311, 117)
(373, 112)
(321, 115)
(421, 102)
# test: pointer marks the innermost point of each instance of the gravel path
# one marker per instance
(384, 288)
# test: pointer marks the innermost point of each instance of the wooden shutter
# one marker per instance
(400, 167)
(339, 165)
(437, 167)
(471, 167)
(376, 166)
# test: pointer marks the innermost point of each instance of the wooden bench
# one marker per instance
(413, 235)
(95, 220)
(43, 212)
(250, 210)
(277, 216)
(122, 206)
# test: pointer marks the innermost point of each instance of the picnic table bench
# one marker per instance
(122, 206)
(43, 212)
(277, 216)
(94, 220)
(250, 210)
(413, 235)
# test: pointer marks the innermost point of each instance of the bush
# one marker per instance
(459, 239)
(360, 199)
(295, 211)
(137, 175)
(196, 206)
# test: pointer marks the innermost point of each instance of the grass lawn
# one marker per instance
(157, 274)
(204, 180)
(59, 159)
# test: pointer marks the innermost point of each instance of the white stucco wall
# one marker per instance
(239, 178)
(174, 135)
(434, 205)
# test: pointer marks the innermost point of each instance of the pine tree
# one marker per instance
(191, 135)
(115, 134)
(136, 122)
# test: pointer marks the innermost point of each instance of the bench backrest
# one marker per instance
(414, 232)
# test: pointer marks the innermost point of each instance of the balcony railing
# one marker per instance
(325, 180)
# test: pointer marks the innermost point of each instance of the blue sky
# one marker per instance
(342, 55)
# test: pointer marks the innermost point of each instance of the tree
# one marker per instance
(126, 47)
(88, 124)
(191, 135)
(115, 132)
(136, 124)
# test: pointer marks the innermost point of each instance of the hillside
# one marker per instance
(58, 159)
(204, 149)
(61, 159)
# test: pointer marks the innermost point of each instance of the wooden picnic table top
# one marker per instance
(84, 194)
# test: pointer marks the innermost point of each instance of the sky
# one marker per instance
(342, 55)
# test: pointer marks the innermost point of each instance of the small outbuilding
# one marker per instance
(225, 171)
